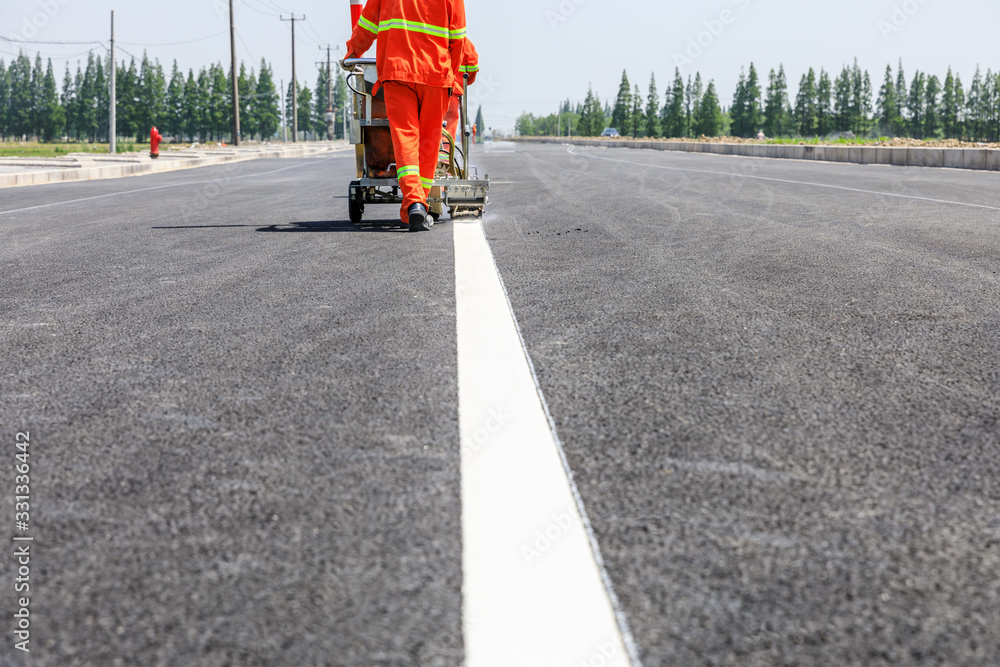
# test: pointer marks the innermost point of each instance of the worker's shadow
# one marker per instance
(329, 226)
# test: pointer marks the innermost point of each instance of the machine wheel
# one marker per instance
(355, 204)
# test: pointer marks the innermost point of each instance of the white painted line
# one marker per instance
(535, 592)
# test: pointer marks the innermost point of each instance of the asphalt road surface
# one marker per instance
(776, 385)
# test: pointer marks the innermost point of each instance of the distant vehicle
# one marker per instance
(610, 132)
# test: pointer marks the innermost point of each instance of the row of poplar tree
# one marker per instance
(923, 107)
(195, 107)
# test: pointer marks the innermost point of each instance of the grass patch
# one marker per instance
(38, 149)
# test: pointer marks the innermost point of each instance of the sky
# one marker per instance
(536, 53)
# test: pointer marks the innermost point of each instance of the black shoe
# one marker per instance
(419, 222)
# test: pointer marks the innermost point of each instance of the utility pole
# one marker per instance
(112, 121)
(284, 121)
(295, 85)
(236, 87)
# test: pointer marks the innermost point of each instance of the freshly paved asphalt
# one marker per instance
(779, 401)
(244, 421)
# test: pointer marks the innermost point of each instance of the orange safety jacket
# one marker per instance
(420, 41)
(470, 61)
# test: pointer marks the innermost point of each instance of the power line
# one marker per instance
(314, 32)
(190, 41)
(275, 6)
(30, 41)
(262, 11)
(253, 59)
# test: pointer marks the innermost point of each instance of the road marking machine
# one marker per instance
(457, 185)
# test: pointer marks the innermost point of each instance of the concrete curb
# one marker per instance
(143, 165)
(982, 159)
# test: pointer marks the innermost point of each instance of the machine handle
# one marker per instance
(352, 62)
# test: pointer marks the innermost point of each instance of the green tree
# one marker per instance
(867, 110)
(151, 89)
(824, 108)
(221, 102)
(68, 100)
(305, 104)
(805, 105)
(776, 104)
(674, 124)
(708, 121)
(991, 96)
(636, 119)
(524, 126)
(932, 121)
(52, 115)
(752, 112)
(889, 121)
(860, 107)
(842, 111)
(127, 99)
(693, 93)
(266, 109)
(960, 108)
(201, 106)
(949, 109)
(248, 104)
(173, 123)
(737, 110)
(745, 112)
(289, 96)
(4, 100)
(652, 109)
(901, 98)
(102, 98)
(480, 125)
(20, 96)
(621, 115)
(591, 121)
(916, 104)
(37, 96)
(323, 94)
(340, 102)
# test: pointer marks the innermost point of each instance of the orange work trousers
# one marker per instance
(453, 116)
(415, 114)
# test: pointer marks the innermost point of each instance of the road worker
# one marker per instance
(470, 66)
(419, 55)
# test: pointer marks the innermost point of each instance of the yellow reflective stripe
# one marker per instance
(368, 25)
(427, 182)
(407, 170)
(415, 26)
(412, 26)
(470, 68)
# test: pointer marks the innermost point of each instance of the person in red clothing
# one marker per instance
(470, 66)
(419, 56)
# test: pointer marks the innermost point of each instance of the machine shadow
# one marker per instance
(331, 226)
